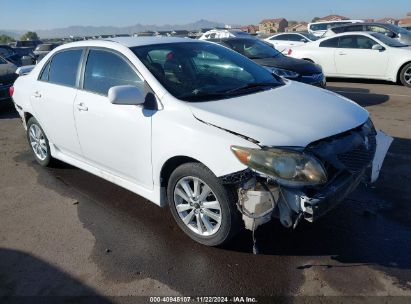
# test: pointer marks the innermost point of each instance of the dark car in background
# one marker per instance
(43, 49)
(32, 44)
(7, 77)
(280, 65)
(390, 30)
(7, 52)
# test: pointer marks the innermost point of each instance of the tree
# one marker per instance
(315, 19)
(4, 39)
(30, 36)
(292, 22)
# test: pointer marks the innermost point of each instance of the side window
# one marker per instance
(330, 43)
(279, 37)
(365, 42)
(64, 66)
(348, 42)
(2, 61)
(105, 70)
(376, 28)
(338, 30)
(353, 28)
(295, 38)
(44, 76)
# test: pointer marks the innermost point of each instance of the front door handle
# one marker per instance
(342, 53)
(82, 107)
(37, 94)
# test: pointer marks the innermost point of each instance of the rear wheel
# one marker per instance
(38, 142)
(405, 75)
(202, 206)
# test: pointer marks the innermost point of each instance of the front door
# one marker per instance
(115, 138)
(356, 57)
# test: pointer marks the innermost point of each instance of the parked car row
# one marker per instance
(221, 140)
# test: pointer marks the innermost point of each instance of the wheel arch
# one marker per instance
(398, 76)
(171, 164)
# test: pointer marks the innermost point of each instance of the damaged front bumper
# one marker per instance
(354, 157)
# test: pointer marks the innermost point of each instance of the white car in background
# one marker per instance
(320, 28)
(360, 55)
(284, 41)
(221, 34)
(201, 128)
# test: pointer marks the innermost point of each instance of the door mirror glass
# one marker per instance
(390, 34)
(304, 40)
(377, 47)
(126, 95)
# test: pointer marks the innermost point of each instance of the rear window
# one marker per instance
(64, 67)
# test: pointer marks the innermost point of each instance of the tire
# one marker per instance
(39, 143)
(203, 226)
(405, 75)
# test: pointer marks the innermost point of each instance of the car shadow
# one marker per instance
(362, 96)
(27, 279)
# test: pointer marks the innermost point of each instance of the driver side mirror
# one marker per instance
(126, 95)
(378, 47)
(390, 34)
(304, 40)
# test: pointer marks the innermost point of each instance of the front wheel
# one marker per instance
(405, 75)
(202, 206)
(38, 142)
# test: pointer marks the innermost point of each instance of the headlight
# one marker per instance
(283, 73)
(287, 167)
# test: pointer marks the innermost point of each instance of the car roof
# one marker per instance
(139, 41)
(364, 33)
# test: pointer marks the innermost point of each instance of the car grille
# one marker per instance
(359, 158)
(352, 151)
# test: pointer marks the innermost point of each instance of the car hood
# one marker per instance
(292, 115)
(300, 66)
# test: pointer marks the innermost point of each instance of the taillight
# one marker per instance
(11, 91)
(290, 51)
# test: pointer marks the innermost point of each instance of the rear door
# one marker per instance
(52, 98)
(114, 138)
(326, 54)
(355, 57)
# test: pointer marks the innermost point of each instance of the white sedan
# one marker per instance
(360, 55)
(198, 127)
(284, 41)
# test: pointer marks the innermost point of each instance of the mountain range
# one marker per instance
(111, 30)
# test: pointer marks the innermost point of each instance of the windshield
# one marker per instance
(6, 52)
(44, 47)
(310, 36)
(202, 71)
(387, 40)
(397, 29)
(253, 48)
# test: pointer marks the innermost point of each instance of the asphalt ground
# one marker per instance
(65, 232)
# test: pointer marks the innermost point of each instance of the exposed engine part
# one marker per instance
(256, 205)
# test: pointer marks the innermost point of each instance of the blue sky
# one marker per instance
(46, 14)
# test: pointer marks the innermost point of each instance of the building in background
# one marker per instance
(388, 20)
(269, 26)
(406, 22)
(251, 29)
(299, 27)
(333, 18)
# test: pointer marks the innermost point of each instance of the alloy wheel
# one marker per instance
(38, 142)
(197, 206)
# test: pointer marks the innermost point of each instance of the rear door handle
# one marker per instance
(37, 94)
(82, 107)
(342, 53)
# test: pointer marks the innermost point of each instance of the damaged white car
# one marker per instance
(200, 128)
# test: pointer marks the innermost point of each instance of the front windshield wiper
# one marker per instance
(251, 85)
